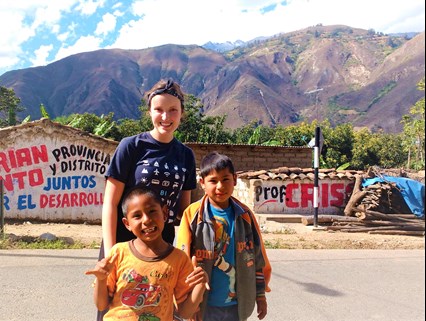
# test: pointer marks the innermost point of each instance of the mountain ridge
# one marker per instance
(353, 75)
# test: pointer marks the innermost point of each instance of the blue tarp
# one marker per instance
(412, 191)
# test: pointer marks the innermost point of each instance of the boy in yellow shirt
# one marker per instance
(142, 278)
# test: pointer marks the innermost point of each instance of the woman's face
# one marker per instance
(166, 114)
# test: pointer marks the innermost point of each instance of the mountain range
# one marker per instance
(338, 73)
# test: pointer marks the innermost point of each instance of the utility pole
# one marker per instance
(316, 174)
(316, 158)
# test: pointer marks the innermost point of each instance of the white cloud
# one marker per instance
(183, 22)
(41, 54)
(18, 23)
(63, 36)
(118, 13)
(84, 44)
(69, 34)
(46, 16)
(14, 33)
(89, 7)
(196, 22)
(107, 24)
(117, 5)
(30, 22)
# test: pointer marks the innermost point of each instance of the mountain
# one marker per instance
(335, 72)
(225, 46)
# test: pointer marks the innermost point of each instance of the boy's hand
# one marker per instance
(198, 276)
(262, 308)
(103, 268)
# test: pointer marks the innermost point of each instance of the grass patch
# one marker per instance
(279, 231)
(277, 245)
(35, 243)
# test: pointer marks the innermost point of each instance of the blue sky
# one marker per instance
(39, 32)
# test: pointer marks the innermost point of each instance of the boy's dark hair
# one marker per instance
(136, 191)
(215, 162)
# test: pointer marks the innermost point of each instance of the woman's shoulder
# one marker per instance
(187, 150)
(134, 141)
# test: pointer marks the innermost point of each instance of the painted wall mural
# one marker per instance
(53, 173)
(39, 177)
(50, 178)
(296, 196)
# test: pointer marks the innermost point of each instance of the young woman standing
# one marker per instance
(155, 159)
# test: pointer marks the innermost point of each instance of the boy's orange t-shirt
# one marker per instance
(144, 289)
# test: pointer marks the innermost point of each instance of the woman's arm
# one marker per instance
(113, 192)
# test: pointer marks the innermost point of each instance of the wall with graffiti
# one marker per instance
(294, 196)
(52, 172)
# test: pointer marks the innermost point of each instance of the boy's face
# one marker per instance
(145, 218)
(219, 186)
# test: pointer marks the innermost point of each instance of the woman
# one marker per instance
(156, 159)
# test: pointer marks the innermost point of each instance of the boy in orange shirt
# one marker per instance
(224, 236)
(142, 278)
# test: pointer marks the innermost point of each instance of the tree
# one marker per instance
(10, 105)
(192, 121)
(377, 149)
(44, 112)
(102, 125)
(414, 132)
(196, 127)
(243, 134)
(338, 144)
(263, 135)
(129, 127)
(389, 152)
(365, 150)
(295, 135)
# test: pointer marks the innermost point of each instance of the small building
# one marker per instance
(285, 191)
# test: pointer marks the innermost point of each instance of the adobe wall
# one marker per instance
(252, 157)
(294, 196)
(56, 173)
(52, 172)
